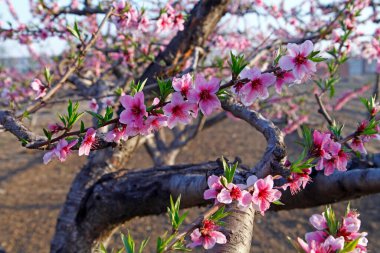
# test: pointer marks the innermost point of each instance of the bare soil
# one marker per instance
(31, 194)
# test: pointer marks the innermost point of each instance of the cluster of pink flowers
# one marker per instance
(292, 68)
(170, 19)
(260, 197)
(128, 17)
(326, 241)
(188, 98)
(207, 235)
(330, 153)
(63, 148)
(257, 193)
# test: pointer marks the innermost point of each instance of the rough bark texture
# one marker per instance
(123, 195)
(68, 237)
(238, 232)
(272, 160)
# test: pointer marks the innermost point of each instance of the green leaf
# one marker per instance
(229, 171)
(143, 245)
(74, 30)
(307, 137)
(336, 129)
(137, 87)
(96, 115)
(220, 214)
(62, 118)
(332, 223)
(48, 76)
(332, 91)
(312, 54)
(109, 113)
(175, 218)
(180, 246)
(317, 59)
(47, 133)
(350, 246)
(129, 243)
(102, 249)
(237, 64)
(24, 141)
(277, 202)
(82, 128)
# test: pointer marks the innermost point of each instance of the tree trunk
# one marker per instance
(238, 230)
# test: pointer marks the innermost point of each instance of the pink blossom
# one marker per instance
(55, 128)
(317, 236)
(215, 186)
(61, 151)
(119, 5)
(257, 87)
(143, 24)
(207, 236)
(233, 192)
(264, 194)
(321, 143)
(164, 23)
(136, 128)
(74, 4)
(178, 110)
(358, 145)
(331, 163)
(320, 242)
(334, 244)
(135, 109)
(283, 77)
(93, 105)
(39, 88)
(87, 142)
(204, 94)
(155, 122)
(297, 181)
(318, 221)
(178, 22)
(342, 160)
(116, 134)
(297, 59)
(350, 226)
(183, 84)
(107, 101)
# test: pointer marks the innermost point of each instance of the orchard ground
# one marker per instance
(31, 194)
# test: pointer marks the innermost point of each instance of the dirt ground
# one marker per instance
(31, 194)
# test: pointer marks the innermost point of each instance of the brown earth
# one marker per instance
(31, 194)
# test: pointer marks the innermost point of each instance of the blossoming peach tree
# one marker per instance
(181, 67)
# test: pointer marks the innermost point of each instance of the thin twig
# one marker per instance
(74, 66)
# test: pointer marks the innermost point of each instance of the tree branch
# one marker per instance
(202, 22)
(273, 158)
